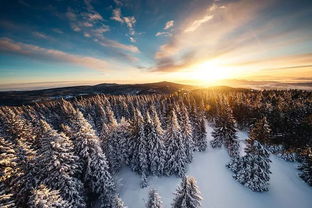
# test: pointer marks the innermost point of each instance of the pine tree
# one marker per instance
(261, 131)
(224, 131)
(201, 139)
(306, 167)
(57, 166)
(187, 133)
(254, 168)
(176, 157)
(118, 141)
(43, 197)
(140, 161)
(187, 194)
(155, 144)
(118, 203)
(88, 148)
(6, 198)
(154, 200)
(18, 137)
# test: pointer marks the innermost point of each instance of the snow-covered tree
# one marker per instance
(176, 157)
(43, 197)
(118, 203)
(88, 148)
(187, 194)
(187, 133)
(140, 161)
(261, 131)
(6, 198)
(57, 166)
(155, 144)
(224, 131)
(154, 200)
(118, 141)
(254, 168)
(306, 167)
(201, 139)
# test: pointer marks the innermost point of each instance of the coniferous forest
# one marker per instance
(67, 152)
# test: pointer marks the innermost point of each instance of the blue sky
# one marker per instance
(140, 41)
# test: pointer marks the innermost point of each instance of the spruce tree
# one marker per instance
(7, 199)
(261, 131)
(156, 149)
(140, 161)
(187, 194)
(187, 133)
(176, 157)
(88, 148)
(306, 167)
(118, 203)
(201, 139)
(154, 200)
(254, 168)
(224, 132)
(57, 166)
(43, 197)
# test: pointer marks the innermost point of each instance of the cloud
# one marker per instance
(40, 35)
(36, 52)
(94, 16)
(163, 34)
(115, 44)
(197, 23)
(117, 15)
(210, 32)
(132, 39)
(129, 21)
(169, 24)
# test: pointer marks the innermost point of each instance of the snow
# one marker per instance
(217, 186)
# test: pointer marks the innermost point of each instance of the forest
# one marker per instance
(66, 153)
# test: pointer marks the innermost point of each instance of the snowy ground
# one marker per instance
(217, 186)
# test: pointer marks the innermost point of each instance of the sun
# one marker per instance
(210, 71)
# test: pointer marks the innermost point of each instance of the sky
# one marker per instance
(72, 42)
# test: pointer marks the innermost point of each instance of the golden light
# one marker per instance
(210, 71)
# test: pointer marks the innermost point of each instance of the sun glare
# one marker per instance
(210, 71)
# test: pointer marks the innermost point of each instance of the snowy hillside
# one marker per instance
(218, 188)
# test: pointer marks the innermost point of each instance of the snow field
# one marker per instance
(218, 188)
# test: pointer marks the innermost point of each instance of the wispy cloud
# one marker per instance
(117, 15)
(129, 21)
(163, 34)
(166, 32)
(169, 24)
(90, 29)
(197, 23)
(209, 33)
(40, 35)
(9, 46)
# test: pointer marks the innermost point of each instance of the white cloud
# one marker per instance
(129, 21)
(117, 15)
(169, 24)
(132, 39)
(163, 34)
(197, 23)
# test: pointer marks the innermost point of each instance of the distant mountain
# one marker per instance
(28, 97)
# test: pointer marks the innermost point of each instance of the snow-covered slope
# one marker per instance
(218, 188)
